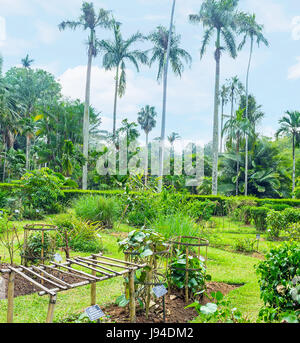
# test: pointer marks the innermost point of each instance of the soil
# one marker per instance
(24, 287)
(175, 307)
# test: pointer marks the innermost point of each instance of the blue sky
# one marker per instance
(31, 27)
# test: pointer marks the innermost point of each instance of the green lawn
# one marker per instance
(223, 265)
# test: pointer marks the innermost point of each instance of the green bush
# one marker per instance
(259, 215)
(293, 232)
(292, 215)
(277, 207)
(245, 245)
(278, 275)
(82, 245)
(200, 210)
(276, 221)
(98, 209)
(41, 189)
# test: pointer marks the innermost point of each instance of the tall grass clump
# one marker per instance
(175, 225)
(98, 209)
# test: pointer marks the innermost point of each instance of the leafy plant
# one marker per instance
(196, 275)
(278, 276)
(9, 236)
(259, 215)
(245, 245)
(218, 311)
(276, 221)
(200, 210)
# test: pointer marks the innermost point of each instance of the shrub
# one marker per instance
(98, 209)
(200, 210)
(244, 245)
(259, 215)
(246, 214)
(292, 215)
(28, 212)
(41, 189)
(278, 276)
(276, 221)
(277, 207)
(293, 232)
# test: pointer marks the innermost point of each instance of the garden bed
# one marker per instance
(24, 287)
(175, 307)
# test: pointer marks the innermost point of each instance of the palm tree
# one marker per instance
(26, 62)
(89, 20)
(116, 53)
(237, 128)
(236, 89)
(250, 29)
(172, 138)
(217, 16)
(290, 126)
(224, 100)
(166, 50)
(255, 113)
(146, 118)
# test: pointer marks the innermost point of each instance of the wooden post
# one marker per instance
(148, 286)
(187, 276)
(51, 306)
(132, 297)
(93, 288)
(10, 297)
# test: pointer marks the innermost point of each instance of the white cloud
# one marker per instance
(294, 71)
(296, 28)
(46, 33)
(271, 13)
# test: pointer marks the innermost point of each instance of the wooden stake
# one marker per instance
(148, 287)
(10, 297)
(187, 276)
(132, 309)
(93, 288)
(51, 306)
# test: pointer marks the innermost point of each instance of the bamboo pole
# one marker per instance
(51, 306)
(93, 288)
(148, 288)
(187, 276)
(10, 297)
(132, 309)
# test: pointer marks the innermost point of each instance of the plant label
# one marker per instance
(160, 291)
(94, 312)
(57, 258)
(258, 236)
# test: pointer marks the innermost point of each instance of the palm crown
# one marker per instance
(178, 56)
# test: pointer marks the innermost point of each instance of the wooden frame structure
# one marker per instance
(183, 244)
(93, 269)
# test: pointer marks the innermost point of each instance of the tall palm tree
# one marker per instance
(224, 100)
(116, 54)
(290, 126)
(146, 118)
(166, 50)
(250, 29)
(255, 113)
(217, 16)
(89, 20)
(27, 62)
(172, 138)
(236, 89)
(237, 128)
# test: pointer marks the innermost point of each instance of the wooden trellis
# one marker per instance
(93, 269)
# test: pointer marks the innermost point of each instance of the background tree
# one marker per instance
(290, 126)
(224, 100)
(89, 20)
(250, 29)
(116, 54)
(217, 16)
(166, 49)
(146, 118)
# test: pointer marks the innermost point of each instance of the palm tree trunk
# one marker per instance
(27, 166)
(147, 157)
(163, 123)
(294, 165)
(216, 120)
(237, 164)
(115, 102)
(247, 107)
(4, 162)
(86, 121)
(222, 124)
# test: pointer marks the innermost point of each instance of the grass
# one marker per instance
(224, 265)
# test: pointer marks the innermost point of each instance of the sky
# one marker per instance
(31, 27)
